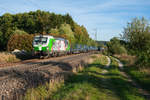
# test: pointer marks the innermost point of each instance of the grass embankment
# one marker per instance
(95, 82)
(7, 57)
(140, 74)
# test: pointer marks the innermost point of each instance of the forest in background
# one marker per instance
(17, 30)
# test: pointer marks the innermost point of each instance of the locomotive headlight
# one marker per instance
(40, 48)
(47, 48)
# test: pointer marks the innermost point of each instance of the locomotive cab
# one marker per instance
(42, 44)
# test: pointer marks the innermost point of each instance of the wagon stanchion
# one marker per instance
(2, 97)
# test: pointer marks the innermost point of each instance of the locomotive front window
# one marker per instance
(44, 40)
(40, 40)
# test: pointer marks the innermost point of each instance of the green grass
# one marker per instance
(121, 86)
(42, 92)
(102, 60)
(86, 85)
(113, 62)
(93, 84)
(139, 76)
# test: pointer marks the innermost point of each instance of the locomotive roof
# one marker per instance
(44, 36)
(59, 38)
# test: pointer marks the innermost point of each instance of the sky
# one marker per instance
(107, 18)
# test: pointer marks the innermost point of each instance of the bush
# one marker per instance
(143, 59)
(121, 50)
(7, 57)
(118, 49)
(114, 47)
(21, 42)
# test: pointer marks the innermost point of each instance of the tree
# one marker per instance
(6, 28)
(66, 29)
(137, 34)
(54, 31)
(20, 41)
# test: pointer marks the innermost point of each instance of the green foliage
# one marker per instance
(20, 41)
(65, 30)
(143, 59)
(137, 34)
(81, 35)
(55, 31)
(141, 75)
(17, 31)
(6, 29)
(114, 47)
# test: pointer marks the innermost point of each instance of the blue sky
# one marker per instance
(109, 17)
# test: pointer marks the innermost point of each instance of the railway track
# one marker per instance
(36, 65)
(33, 61)
(33, 72)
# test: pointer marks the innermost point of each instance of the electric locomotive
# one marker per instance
(46, 45)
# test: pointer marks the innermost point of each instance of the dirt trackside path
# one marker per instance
(140, 90)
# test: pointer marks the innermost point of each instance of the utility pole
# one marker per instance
(95, 34)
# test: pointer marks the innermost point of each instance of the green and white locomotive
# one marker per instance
(46, 45)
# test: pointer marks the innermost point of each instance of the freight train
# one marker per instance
(46, 46)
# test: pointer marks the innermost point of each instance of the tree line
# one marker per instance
(40, 22)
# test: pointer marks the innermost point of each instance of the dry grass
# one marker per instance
(145, 70)
(7, 57)
(127, 59)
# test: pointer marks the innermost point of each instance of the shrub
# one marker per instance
(117, 49)
(7, 57)
(122, 50)
(143, 59)
(114, 47)
(20, 41)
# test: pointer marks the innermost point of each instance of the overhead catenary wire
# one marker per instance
(5, 10)
(34, 4)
